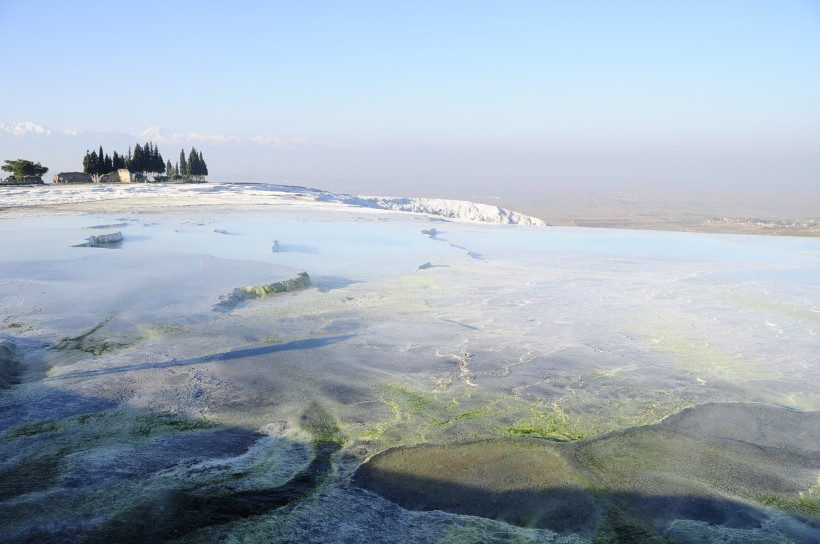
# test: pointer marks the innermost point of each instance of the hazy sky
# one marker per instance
(534, 93)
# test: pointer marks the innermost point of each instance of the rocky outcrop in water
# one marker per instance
(103, 240)
(240, 294)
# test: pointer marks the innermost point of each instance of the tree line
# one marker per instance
(146, 161)
(193, 167)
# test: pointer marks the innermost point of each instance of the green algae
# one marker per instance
(698, 348)
(541, 423)
(148, 331)
(33, 472)
(437, 408)
(420, 415)
(322, 425)
(622, 458)
(623, 412)
(148, 425)
(799, 312)
(463, 411)
(93, 341)
(122, 424)
(250, 292)
(806, 506)
(490, 531)
(401, 397)
(99, 430)
(806, 503)
(32, 429)
(474, 413)
(700, 356)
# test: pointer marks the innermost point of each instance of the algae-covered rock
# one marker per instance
(520, 481)
(240, 294)
(747, 468)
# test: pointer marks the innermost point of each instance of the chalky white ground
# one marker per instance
(608, 328)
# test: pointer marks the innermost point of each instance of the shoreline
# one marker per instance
(605, 211)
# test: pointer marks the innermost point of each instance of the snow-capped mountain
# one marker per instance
(25, 128)
(61, 150)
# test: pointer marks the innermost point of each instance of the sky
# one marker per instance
(441, 96)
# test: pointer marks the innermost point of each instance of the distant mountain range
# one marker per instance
(28, 128)
(154, 134)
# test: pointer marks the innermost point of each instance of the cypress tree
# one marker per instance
(169, 169)
(183, 165)
(193, 160)
(138, 161)
(118, 161)
(101, 165)
(154, 156)
(148, 154)
(147, 157)
(202, 166)
(159, 167)
(94, 163)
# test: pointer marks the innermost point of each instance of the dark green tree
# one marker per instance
(197, 169)
(145, 159)
(91, 164)
(118, 161)
(21, 168)
(193, 163)
(137, 162)
(157, 164)
(169, 169)
(87, 162)
(202, 166)
(150, 157)
(183, 164)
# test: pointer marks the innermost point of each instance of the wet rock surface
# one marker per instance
(720, 464)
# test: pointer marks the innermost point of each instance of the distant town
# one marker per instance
(143, 163)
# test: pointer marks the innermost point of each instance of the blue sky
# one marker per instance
(512, 80)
